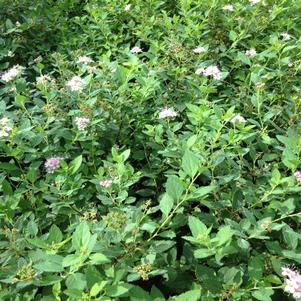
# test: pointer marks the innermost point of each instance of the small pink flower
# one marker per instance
(297, 174)
(106, 183)
(136, 50)
(52, 164)
(82, 123)
(292, 282)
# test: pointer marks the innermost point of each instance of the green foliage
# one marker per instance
(140, 175)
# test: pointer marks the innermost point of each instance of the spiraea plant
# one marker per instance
(150, 150)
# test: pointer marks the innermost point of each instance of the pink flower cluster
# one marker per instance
(52, 164)
(297, 174)
(210, 71)
(136, 50)
(292, 282)
(82, 123)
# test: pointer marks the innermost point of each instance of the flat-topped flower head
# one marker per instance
(75, 84)
(52, 164)
(167, 113)
(228, 7)
(82, 123)
(199, 50)
(136, 50)
(85, 60)
(292, 282)
(210, 71)
(251, 52)
(11, 73)
(127, 7)
(106, 183)
(237, 118)
(5, 128)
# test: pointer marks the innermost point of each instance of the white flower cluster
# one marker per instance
(167, 113)
(292, 282)
(75, 84)
(228, 7)
(199, 50)
(5, 128)
(85, 60)
(127, 7)
(237, 118)
(210, 71)
(253, 2)
(106, 183)
(11, 73)
(82, 123)
(251, 52)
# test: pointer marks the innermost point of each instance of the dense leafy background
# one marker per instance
(199, 208)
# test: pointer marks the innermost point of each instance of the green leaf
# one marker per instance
(138, 294)
(98, 258)
(223, 236)
(174, 188)
(200, 192)
(193, 295)
(124, 155)
(55, 235)
(203, 253)
(263, 294)
(75, 164)
(197, 227)
(97, 288)
(166, 204)
(50, 263)
(117, 290)
(72, 260)
(255, 268)
(190, 163)
(81, 235)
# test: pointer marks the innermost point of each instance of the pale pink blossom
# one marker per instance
(11, 73)
(199, 50)
(297, 174)
(75, 83)
(228, 7)
(251, 52)
(292, 282)
(52, 164)
(136, 50)
(82, 123)
(167, 113)
(106, 183)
